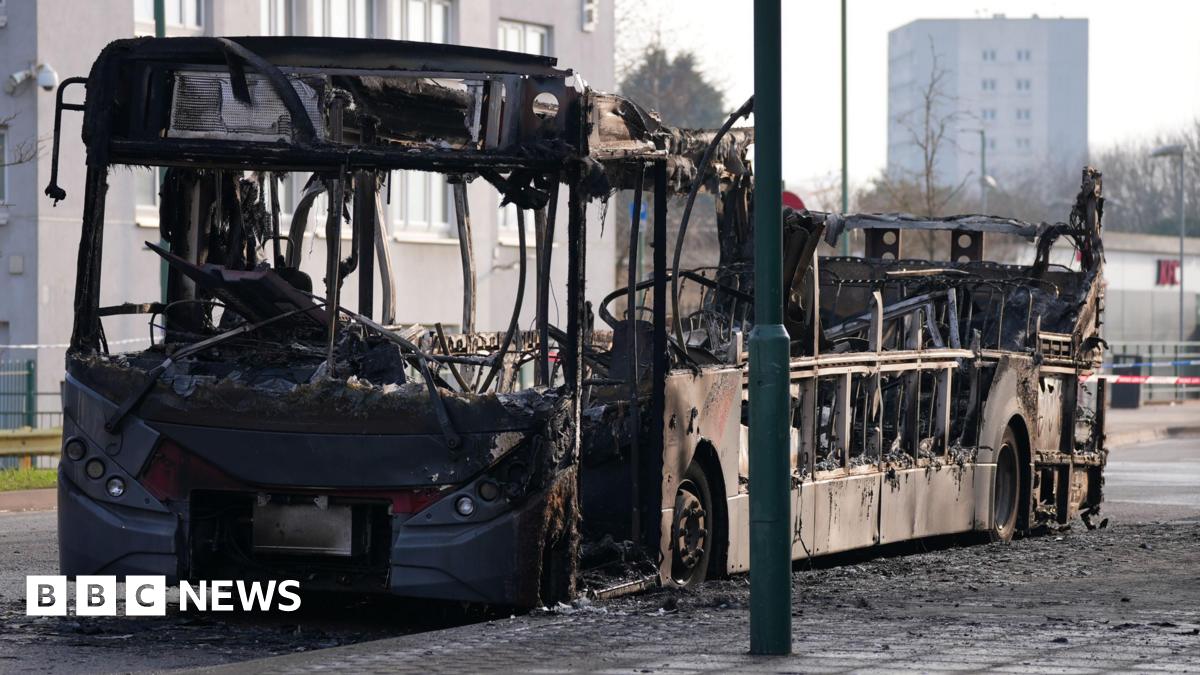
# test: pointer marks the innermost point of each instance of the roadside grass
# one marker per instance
(27, 479)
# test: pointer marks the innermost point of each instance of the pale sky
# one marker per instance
(1143, 70)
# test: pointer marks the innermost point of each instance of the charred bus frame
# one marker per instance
(290, 434)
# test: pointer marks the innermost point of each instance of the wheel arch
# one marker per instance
(710, 463)
(1025, 465)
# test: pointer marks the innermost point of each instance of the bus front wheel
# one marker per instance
(1006, 490)
(692, 528)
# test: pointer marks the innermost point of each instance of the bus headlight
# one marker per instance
(115, 487)
(75, 449)
(465, 506)
(94, 469)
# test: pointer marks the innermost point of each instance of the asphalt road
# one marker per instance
(1154, 482)
(1152, 502)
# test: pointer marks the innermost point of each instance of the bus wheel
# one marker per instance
(1006, 491)
(691, 529)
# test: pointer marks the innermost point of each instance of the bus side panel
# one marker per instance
(738, 558)
(846, 513)
(923, 502)
(700, 409)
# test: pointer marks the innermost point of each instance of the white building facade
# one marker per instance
(1023, 82)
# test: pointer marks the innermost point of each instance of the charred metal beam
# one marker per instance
(333, 237)
(540, 282)
(661, 362)
(308, 196)
(635, 424)
(365, 184)
(466, 250)
(276, 245)
(576, 271)
(387, 278)
(364, 226)
(87, 333)
(333, 253)
(741, 112)
(514, 322)
(543, 299)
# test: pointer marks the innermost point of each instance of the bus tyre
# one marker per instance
(691, 528)
(1006, 490)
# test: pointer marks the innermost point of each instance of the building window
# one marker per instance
(590, 15)
(1024, 114)
(1023, 144)
(988, 114)
(420, 20)
(989, 55)
(276, 17)
(343, 18)
(180, 13)
(991, 143)
(1024, 55)
(1023, 84)
(528, 38)
(423, 206)
(989, 84)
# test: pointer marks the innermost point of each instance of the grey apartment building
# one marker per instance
(1022, 81)
(38, 242)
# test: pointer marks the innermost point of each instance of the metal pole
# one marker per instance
(983, 186)
(31, 394)
(770, 468)
(1182, 236)
(160, 30)
(160, 18)
(845, 131)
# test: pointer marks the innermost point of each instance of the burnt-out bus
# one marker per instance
(285, 422)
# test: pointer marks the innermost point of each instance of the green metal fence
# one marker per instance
(18, 394)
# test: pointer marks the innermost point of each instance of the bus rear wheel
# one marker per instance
(692, 528)
(1006, 490)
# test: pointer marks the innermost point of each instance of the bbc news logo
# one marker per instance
(46, 595)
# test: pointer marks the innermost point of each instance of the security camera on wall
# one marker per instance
(47, 77)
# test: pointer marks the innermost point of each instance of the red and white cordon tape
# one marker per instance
(1141, 379)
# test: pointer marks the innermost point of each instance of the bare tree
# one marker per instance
(24, 151)
(930, 126)
(1142, 191)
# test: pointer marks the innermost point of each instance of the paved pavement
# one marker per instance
(28, 500)
(1120, 599)
(1152, 422)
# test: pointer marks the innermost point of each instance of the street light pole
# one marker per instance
(1182, 237)
(845, 134)
(770, 397)
(1177, 150)
(983, 174)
